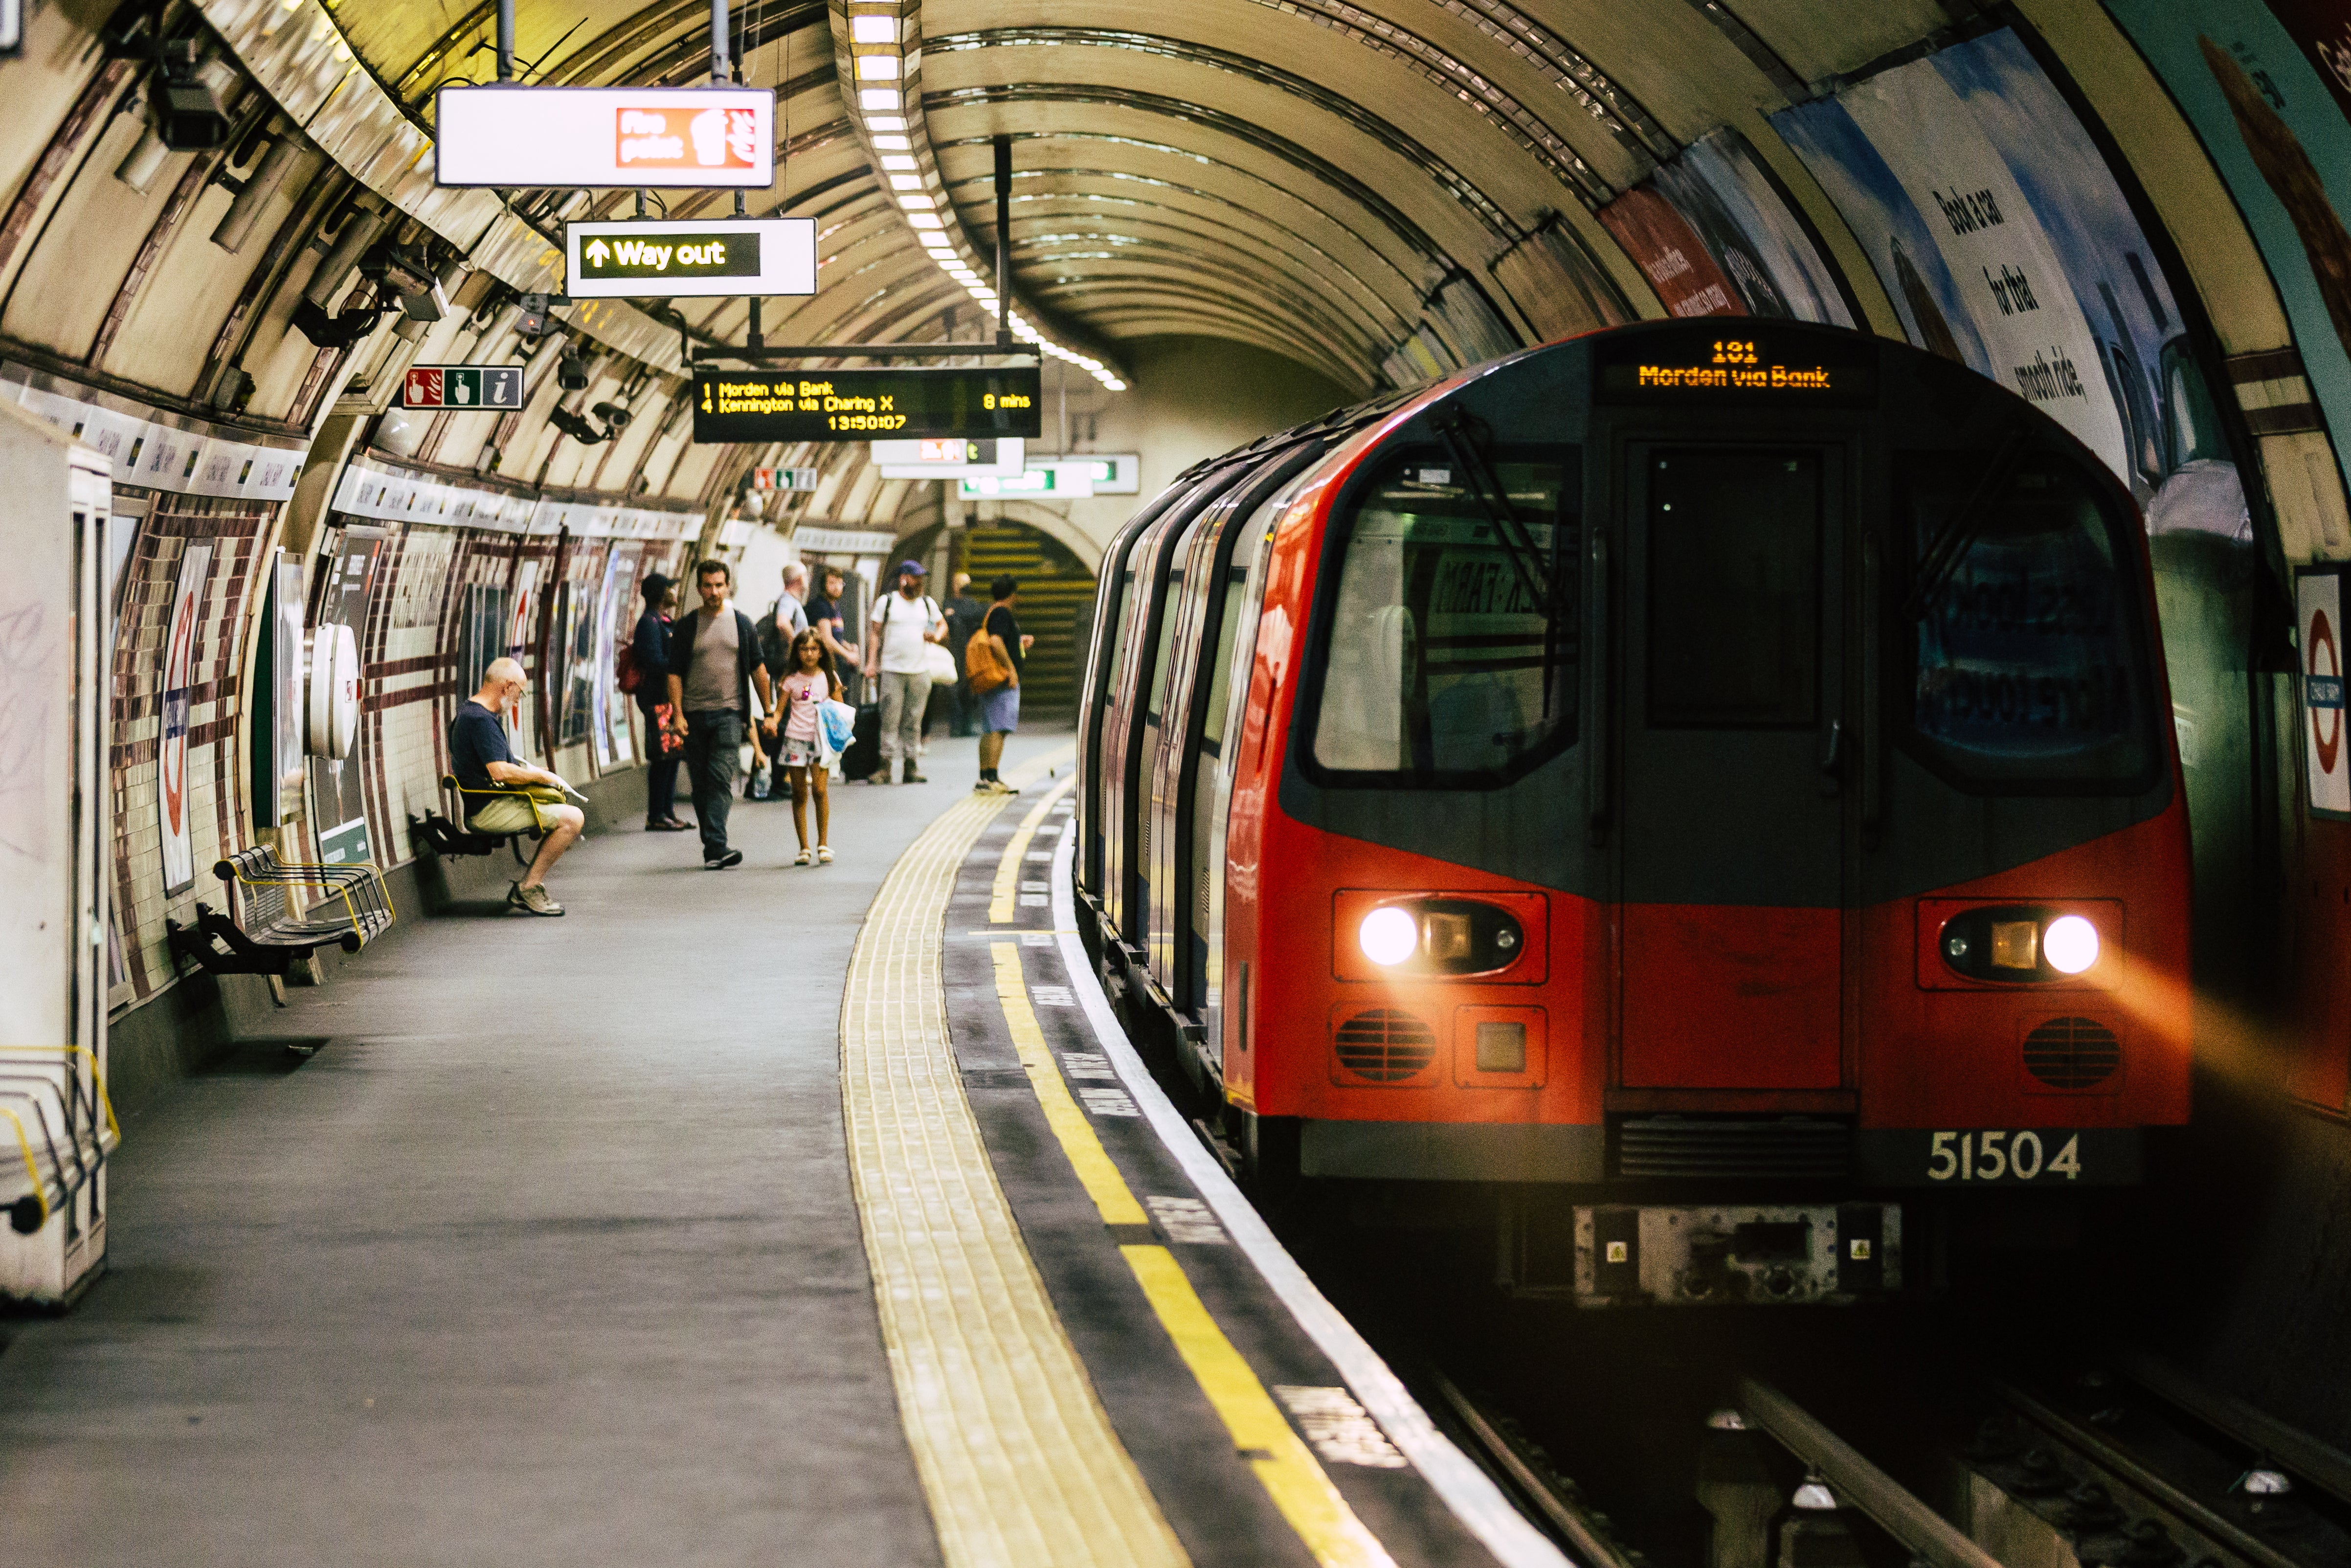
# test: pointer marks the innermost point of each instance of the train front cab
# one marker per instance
(1763, 822)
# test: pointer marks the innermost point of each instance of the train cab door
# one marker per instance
(1733, 731)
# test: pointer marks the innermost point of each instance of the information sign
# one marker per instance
(604, 137)
(948, 457)
(462, 386)
(680, 260)
(783, 478)
(12, 27)
(860, 405)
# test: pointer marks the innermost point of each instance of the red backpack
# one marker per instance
(624, 667)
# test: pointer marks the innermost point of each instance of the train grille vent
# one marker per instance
(1386, 1045)
(1791, 1148)
(2072, 1053)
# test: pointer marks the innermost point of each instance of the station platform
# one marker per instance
(776, 1215)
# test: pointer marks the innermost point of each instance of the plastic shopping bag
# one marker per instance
(836, 725)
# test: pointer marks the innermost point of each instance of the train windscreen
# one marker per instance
(2031, 665)
(1453, 652)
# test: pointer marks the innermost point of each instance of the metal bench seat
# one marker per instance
(265, 934)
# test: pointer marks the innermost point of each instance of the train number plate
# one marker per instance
(1958, 1157)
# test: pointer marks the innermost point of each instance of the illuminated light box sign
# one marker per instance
(1738, 365)
(605, 137)
(783, 478)
(496, 387)
(950, 457)
(682, 260)
(861, 405)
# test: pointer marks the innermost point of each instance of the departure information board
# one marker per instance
(1739, 359)
(864, 405)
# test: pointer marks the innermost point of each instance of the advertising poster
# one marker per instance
(522, 625)
(2267, 89)
(171, 747)
(2318, 603)
(287, 697)
(1716, 239)
(613, 625)
(2007, 245)
(338, 784)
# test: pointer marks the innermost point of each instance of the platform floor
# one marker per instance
(548, 1256)
(765, 1216)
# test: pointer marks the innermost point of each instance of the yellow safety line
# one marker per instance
(32, 1171)
(1087, 1157)
(1017, 1457)
(1286, 1467)
(1008, 869)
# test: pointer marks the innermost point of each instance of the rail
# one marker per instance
(1525, 1470)
(1930, 1537)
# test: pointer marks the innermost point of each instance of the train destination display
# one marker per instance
(860, 405)
(1674, 366)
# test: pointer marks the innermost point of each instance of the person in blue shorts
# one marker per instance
(999, 710)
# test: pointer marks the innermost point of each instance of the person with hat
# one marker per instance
(897, 653)
(649, 653)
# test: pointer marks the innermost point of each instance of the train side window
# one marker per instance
(2031, 663)
(1171, 599)
(1734, 606)
(1441, 665)
(1244, 593)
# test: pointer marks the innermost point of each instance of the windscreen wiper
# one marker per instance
(1495, 503)
(1939, 561)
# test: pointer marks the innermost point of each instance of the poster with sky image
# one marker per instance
(2007, 245)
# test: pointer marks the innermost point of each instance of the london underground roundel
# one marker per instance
(2319, 600)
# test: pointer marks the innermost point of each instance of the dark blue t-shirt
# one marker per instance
(477, 738)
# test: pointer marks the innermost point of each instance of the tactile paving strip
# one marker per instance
(1015, 1451)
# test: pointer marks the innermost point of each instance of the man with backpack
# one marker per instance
(713, 664)
(905, 623)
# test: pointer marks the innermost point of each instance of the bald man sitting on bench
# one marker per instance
(481, 759)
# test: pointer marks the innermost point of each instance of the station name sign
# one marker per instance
(698, 260)
(862, 405)
(494, 387)
(604, 137)
(1673, 367)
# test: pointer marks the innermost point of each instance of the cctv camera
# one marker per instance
(571, 371)
(611, 413)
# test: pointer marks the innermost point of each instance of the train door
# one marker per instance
(1114, 597)
(1731, 732)
(1177, 592)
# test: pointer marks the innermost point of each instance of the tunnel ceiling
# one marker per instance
(1315, 176)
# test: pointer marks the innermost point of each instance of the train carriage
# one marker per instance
(1712, 784)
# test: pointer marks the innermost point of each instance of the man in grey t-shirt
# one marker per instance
(713, 663)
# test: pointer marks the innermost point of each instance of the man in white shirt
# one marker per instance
(903, 624)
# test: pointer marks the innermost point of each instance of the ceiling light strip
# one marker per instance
(878, 47)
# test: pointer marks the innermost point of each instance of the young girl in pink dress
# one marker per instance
(797, 749)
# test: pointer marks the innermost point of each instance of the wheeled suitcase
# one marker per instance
(864, 753)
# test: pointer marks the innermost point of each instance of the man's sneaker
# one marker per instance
(998, 787)
(912, 776)
(532, 900)
(721, 862)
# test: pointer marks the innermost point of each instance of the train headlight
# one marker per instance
(2070, 944)
(1389, 935)
(2020, 943)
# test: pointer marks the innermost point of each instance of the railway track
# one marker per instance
(2132, 1465)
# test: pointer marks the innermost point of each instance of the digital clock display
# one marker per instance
(1823, 368)
(866, 405)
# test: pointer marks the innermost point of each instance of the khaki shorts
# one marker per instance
(510, 815)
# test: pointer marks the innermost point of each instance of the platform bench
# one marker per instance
(263, 935)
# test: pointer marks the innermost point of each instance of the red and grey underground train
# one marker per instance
(1711, 782)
